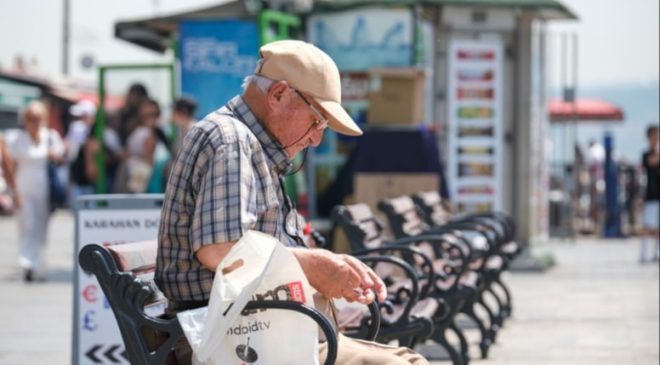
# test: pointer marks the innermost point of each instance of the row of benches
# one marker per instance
(436, 267)
(459, 260)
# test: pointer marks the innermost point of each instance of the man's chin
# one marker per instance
(300, 148)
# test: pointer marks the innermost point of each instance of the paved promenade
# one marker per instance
(597, 306)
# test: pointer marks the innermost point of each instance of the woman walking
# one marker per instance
(34, 147)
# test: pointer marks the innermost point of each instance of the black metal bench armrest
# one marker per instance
(457, 232)
(410, 273)
(406, 322)
(501, 230)
(408, 252)
(489, 227)
(374, 323)
(503, 219)
(470, 225)
(127, 296)
(461, 230)
(443, 244)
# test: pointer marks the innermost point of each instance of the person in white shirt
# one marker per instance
(85, 114)
(79, 130)
(34, 146)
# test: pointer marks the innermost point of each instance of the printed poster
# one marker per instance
(475, 125)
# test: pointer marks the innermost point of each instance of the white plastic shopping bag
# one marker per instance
(221, 334)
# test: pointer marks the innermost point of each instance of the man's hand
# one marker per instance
(340, 276)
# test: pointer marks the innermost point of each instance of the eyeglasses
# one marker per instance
(321, 122)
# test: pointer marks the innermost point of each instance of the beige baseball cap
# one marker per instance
(311, 71)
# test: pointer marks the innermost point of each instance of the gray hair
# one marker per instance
(262, 82)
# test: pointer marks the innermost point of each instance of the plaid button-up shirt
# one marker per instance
(226, 179)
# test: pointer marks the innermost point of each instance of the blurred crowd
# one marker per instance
(42, 170)
(589, 201)
(136, 146)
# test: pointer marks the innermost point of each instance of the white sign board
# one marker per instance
(475, 124)
(106, 220)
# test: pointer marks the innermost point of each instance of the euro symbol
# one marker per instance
(89, 293)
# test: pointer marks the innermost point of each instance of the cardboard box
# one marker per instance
(396, 96)
(370, 188)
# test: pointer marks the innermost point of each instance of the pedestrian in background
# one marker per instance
(651, 217)
(148, 153)
(84, 170)
(34, 146)
(84, 113)
(183, 117)
(75, 140)
(128, 115)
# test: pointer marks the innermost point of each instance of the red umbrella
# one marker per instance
(583, 109)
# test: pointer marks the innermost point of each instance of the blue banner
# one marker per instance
(215, 58)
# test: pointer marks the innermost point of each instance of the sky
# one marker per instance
(38, 33)
(618, 40)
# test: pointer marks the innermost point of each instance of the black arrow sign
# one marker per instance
(109, 354)
(112, 354)
(91, 354)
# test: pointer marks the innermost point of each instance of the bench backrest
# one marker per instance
(139, 258)
(148, 339)
(403, 217)
(362, 228)
(435, 211)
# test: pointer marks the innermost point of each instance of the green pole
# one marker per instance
(101, 187)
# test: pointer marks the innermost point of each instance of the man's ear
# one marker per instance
(277, 92)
